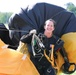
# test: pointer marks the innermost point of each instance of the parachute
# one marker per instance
(34, 17)
(15, 63)
(4, 32)
(4, 36)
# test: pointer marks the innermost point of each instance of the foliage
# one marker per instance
(71, 7)
(4, 17)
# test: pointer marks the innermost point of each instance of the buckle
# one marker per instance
(59, 41)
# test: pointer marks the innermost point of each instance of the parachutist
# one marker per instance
(34, 17)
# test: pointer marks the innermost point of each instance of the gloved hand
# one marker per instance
(32, 31)
(27, 38)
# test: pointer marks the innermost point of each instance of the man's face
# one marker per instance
(49, 27)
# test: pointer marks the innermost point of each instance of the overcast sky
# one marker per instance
(14, 5)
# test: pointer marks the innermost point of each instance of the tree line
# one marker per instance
(4, 16)
(71, 7)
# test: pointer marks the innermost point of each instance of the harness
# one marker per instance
(39, 51)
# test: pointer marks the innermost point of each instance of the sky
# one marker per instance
(14, 5)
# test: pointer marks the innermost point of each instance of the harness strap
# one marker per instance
(51, 58)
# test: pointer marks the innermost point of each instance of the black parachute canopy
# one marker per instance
(4, 36)
(33, 17)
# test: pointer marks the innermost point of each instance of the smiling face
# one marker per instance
(49, 26)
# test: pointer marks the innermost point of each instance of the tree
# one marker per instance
(71, 7)
(4, 17)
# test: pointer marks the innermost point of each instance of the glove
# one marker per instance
(27, 38)
(32, 31)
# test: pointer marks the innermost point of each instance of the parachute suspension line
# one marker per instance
(32, 43)
(3, 30)
(19, 31)
(14, 30)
